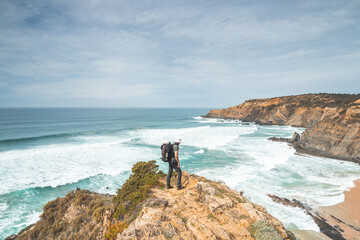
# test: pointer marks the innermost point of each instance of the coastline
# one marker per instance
(346, 214)
(202, 209)
(343, 217)
(331, 121)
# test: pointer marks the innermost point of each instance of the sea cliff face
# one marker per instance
(202, 210)
(332, 121)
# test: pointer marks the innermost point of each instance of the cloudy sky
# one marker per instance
(94, 53)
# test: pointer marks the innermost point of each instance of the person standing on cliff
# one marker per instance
(174, 164)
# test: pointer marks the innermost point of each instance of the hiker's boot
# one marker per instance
(168, 187)
(179, 188)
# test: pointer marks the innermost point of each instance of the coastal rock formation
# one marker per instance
(331, 231)
(332, 121)
(79, 215)
(338, 227)
(202, 210)
(295, 139)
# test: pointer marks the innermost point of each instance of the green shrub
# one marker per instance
(132, 194)
(136, 189)
(168, 234)
(97, 213)
(261, 230)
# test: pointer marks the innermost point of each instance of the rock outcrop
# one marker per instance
(202, 210)
(294, 140)
(329, 225)
(332, 121)
(81, 214)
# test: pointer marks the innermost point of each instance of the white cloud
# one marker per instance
(85, 89)
(124, 49)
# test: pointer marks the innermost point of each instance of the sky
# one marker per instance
(213, 54)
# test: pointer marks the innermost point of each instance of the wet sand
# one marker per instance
(346, 214)
(343, 217)
(309, 235)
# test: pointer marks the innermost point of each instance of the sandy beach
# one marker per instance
(346, 214)
(344, 217)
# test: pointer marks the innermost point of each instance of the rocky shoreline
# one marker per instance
(332, 121)
(339, 221)
(204, 209)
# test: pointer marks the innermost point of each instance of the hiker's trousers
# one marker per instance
(173, 166)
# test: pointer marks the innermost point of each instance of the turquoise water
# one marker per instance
(44, 153)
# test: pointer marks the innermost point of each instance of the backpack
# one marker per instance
(167, 152)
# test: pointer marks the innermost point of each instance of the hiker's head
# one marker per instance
(178, 141)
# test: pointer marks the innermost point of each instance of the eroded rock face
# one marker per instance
(333, 232)
(202, 210)
(79, 215)
(334, 139)
(332, 121)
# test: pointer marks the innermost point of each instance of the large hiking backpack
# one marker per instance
(167, 152)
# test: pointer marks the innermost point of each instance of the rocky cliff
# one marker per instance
(332, 121)
(144, 209)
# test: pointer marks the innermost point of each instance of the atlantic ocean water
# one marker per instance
(45, 153)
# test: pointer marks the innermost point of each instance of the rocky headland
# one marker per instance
(332, 121)
(144, 209)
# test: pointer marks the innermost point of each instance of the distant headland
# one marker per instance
(332, 121)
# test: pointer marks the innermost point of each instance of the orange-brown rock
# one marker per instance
(79, 215)
(202, 210)
(332, 121)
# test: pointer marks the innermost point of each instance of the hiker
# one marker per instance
(174, 163)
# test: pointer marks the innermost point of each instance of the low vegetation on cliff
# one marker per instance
(129, 198)
(76, 216)
(322, 100)
(144, 209)
(136, 189)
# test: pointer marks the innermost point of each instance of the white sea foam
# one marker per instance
(215, 120)
(323, 180)
(201, 151)
(293, 218)
(266, 167)
(266, 153)
(3, 207)
(247, 178)
(198, 118)
(59, 164)
(258, 166)
(31, 218)
(17, 222)
(202, 137)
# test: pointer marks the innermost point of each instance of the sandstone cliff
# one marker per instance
(202, 210)
(332, 121)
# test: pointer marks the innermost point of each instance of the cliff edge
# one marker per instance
(332, 121)
(144, 209)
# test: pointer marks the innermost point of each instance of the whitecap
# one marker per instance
(198, 118)
(3, 207)
(60, 164)
(201, 151)
(215, 120)
(201, 137)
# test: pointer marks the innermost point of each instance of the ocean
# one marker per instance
(46, 152)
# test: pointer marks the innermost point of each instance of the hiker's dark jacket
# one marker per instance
(173, 166)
